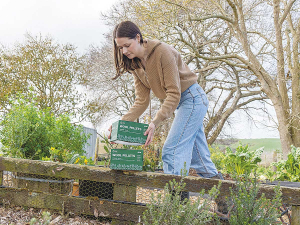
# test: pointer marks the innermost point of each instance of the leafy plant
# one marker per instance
(218, 157)
(249, 207)
(265, 173)
(83, 160)
(170, 209)
(63, 155)
(289, 169)
(243, 161)
(29, 132)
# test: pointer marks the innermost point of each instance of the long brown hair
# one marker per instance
(123, 64)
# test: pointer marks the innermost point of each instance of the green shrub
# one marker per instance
(243, 161)
(265, 173)
(169, 209)
(249, 207)
(218, 158)
(65, 156)
(290, 169)
(28, 132)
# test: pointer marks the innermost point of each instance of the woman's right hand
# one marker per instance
(109, 129)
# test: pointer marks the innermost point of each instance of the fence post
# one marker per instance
(123, 193)
(295, 215)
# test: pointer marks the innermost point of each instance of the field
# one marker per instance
(269, 144)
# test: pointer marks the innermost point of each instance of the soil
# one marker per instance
(21, 216)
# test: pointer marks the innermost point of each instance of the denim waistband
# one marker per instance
(192, 90)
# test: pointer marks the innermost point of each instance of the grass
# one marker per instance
(269, 144)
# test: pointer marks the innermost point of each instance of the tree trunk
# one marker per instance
(281, 80)
(283, 128)
(295, 72)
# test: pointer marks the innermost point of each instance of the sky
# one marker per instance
(78, 22)
(67, 21)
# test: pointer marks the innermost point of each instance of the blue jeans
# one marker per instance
(186, 141)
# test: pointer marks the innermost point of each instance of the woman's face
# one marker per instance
(129, 47)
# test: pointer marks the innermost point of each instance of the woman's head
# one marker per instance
(128, 48)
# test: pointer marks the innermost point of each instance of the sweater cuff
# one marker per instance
(157, 120)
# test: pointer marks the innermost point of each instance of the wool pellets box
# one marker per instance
(126, 159)
(128, 133)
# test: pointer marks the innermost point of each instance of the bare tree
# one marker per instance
(268, 32)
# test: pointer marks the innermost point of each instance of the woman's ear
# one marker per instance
(138, 37)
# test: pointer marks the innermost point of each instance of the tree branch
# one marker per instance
(263, 36)
(286, 11)
(214, 17)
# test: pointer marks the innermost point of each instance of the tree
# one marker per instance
(270, 51)
(229, 87)
(50, 71)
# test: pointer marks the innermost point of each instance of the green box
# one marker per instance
(128, 133)
(126, 159)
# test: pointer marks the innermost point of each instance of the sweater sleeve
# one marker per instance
(142, 100)
(173, 90)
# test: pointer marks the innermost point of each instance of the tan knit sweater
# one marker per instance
(166, 75)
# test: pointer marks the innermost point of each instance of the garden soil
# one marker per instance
(22, 216)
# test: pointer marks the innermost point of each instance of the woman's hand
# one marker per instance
(109, 129)
(150, 133)
(109, 135)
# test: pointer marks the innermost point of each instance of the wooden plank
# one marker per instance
(71, 171)
(86, 206)
(123, 193)
(295, 215)
(132, 178)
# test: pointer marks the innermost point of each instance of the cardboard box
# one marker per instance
(126, 159)
(128, 133)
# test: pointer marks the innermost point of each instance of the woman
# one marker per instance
(158, 67)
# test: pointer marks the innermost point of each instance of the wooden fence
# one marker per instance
(123, 207)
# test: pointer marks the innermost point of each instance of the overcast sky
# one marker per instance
(73, 21)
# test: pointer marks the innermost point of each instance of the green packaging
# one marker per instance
(126, 159)
(128, 133)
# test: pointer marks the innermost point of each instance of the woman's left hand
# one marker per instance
(150, 133)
